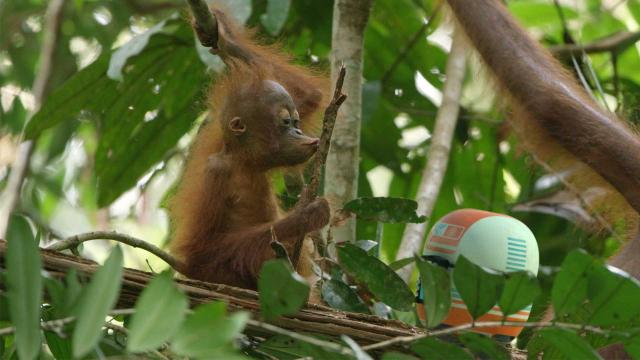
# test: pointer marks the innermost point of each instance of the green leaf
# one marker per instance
(369, 271)
(146, 114)
(478, 287)
(55, 291)
(567, 343)
(520, 289)
(132, 48)
(60, 347)
(436, 284)
(632, 346)
(539, 13)
(24, 286)
(341, 297)
(570, 285)
(208, 331)
(160, 311)
(483, 346)
(283, 347)
(282, 291)
(141, 111)
(13, 120)
(613, 298)
(65, 102)
(434, 349)
(96, 302)
(72, 292)
(388, 210)
(399, 264)
(276, 16)
(392, 355)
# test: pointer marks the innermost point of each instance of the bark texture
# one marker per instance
(341, 173)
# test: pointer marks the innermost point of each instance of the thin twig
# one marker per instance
(278, 248)
(486, 324)
(20, 167)
(304, 338)
(411, 44)
(52, 325)
(330, 114)
(310, 191)
(597, 214)
(74, 241)
(614, 44)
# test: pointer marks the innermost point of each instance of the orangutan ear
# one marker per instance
(237, 126)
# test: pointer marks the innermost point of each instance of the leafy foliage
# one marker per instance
(480, 288)
(24, 284)
(437, 288)
(159, 311)
(96, 302)
(128, 87)
(383, 282)
(387, 210)
(196, 338)
(520, 289)
(431, 348)
(282, 291)
(341, 297)
(566, 342)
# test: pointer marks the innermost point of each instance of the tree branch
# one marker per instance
(204, 22)
(52, 325)
(74, 241)
(310, 191)
(614, 44)
(411, 44)
(330, 114)
(57, 325)
(363, 328)
(486, 324)
(20, 167)
(438, 152)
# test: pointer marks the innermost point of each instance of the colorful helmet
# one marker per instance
(492, 240)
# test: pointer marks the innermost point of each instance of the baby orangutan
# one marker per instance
(225, 212)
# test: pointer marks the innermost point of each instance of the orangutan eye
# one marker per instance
(286, 122)
(296, 124)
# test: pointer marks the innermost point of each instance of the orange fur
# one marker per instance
(555, 119)
(559, 123)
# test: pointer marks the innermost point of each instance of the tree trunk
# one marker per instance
(341, 175)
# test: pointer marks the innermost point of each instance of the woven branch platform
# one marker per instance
(364, 329)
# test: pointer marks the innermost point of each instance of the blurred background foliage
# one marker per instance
(114, 131)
